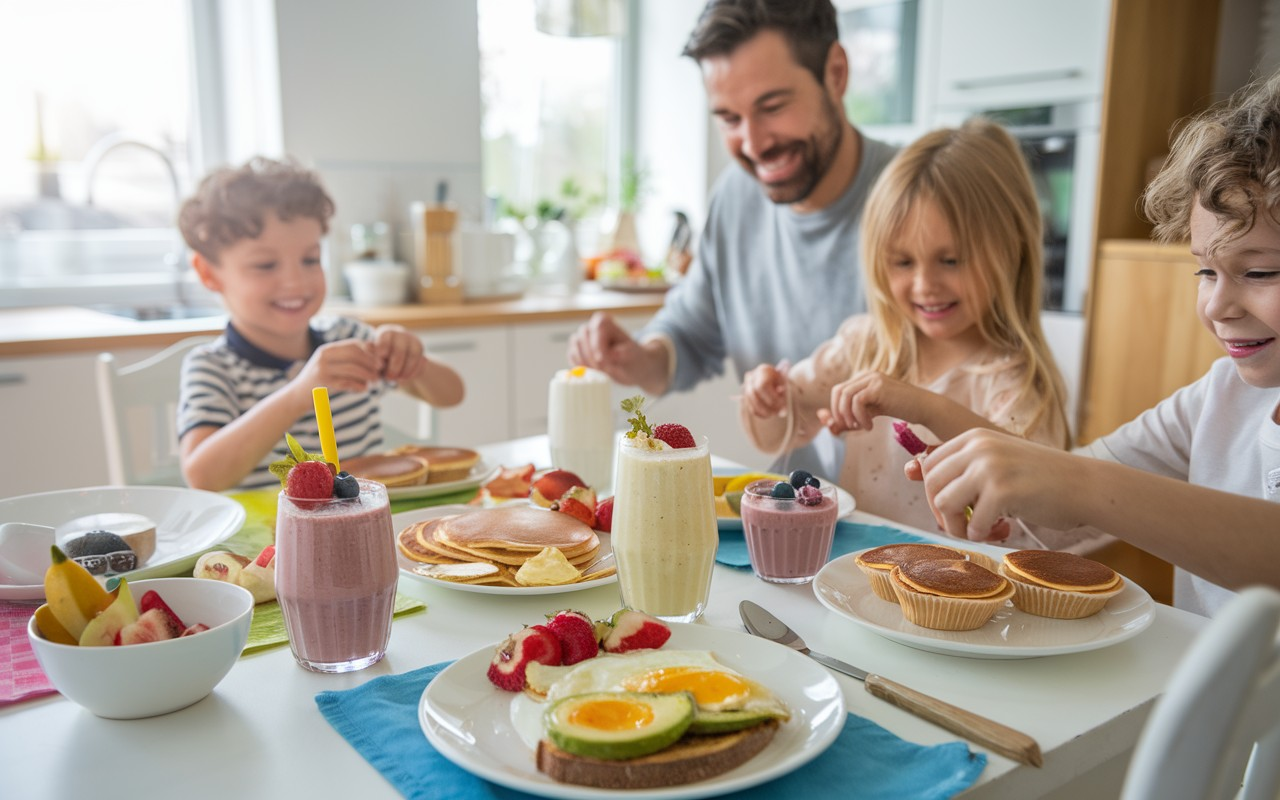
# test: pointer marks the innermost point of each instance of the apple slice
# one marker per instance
(551, 486)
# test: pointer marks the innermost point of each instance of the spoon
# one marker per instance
(24, 553)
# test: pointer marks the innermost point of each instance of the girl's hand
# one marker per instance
(867, 395)
(349, 365)
(975, 479)
(764, 391)
(398, 351)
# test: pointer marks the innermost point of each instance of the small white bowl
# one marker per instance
(146, 680)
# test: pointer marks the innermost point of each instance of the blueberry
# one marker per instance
(782, 489)
(814, 482)
(799, 478)
(346, 485)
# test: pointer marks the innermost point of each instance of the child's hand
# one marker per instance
(349, 365)
(764, 391)
(399, 352)
(867, 395)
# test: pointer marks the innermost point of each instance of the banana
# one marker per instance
(74, 596)
(50, 628)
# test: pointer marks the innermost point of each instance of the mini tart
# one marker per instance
(878, 562)
(949, 595)
(1059, 585)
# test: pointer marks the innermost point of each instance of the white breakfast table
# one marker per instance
(260, 734)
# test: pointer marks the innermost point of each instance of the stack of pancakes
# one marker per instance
(1059, 585)
(488, 546)
(444, 463)
(412, 465)
(949, 594)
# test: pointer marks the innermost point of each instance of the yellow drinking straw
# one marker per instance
(324, 420)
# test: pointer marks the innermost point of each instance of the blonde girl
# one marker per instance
(952, 340)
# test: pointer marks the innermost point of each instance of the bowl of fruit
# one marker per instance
(146, 648)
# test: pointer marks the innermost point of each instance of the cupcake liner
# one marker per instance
(948, 613)
(881, 584)
(1044, 601)
(982, 560)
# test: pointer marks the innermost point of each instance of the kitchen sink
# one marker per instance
(148, 313)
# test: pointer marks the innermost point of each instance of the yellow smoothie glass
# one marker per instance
(664, 528)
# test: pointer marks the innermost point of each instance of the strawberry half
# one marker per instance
(577, 635)
(534, 643)
(634, 630)
(604, 515)
(676, 436)
(576, 509)
(151, 599)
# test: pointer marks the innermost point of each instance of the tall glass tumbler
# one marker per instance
(336, 578)
(664, 529)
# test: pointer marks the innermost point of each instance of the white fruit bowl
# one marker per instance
(146, 680)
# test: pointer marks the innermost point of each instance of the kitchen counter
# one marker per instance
(47, 330)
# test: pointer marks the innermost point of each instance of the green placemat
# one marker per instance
(267, 629)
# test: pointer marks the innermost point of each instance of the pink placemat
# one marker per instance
(20, 673)
(21, 676)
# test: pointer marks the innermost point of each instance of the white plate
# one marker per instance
(188, 522)
(470, 721)
(404, 520)
(843, 588)
(845, 502)
(479, 473)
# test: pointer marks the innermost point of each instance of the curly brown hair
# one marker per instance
(231, 203)
(809, 27)
(1227, 159)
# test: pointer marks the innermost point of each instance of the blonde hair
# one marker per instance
(1228, 160)
(978, 179)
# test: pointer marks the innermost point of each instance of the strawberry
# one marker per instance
(534, 643)
(577, 635)
(309, 480)
(264, 558)
(151, 626)
(635, 630)
(604, 515)
(583, 494)
(907, 438)
(676, 436)
(576, 509)
(151, 600)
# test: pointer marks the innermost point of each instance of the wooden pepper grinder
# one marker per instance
(438, 283)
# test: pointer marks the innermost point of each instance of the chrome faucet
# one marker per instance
(175, 259)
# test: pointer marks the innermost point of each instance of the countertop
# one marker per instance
(52, 330)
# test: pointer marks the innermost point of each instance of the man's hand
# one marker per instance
(602, 344)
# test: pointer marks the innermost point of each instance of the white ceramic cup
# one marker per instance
(485, 257)
(377, 283)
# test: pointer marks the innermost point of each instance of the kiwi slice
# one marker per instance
(618, 725)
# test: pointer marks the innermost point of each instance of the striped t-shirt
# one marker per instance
(225, 378)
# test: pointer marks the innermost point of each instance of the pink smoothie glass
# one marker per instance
(787, 540)
(336, 578)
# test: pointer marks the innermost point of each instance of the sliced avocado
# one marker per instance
(618, 725)
(728, 721)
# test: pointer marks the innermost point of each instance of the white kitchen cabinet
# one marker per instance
(52, 437)
(479, 356)
(1010, 53)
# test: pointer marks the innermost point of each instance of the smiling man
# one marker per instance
(777, 267)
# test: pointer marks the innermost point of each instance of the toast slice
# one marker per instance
(693, 758)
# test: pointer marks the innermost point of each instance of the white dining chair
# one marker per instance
(1222, 705)
(139, 415)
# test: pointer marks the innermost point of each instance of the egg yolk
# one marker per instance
(612, 715)
(708, 687)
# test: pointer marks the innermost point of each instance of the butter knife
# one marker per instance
(991, 734)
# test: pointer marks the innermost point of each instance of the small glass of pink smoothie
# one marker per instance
(787, 540)
(336, 576)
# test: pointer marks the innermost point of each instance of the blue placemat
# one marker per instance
(849, 537)
(380, 720)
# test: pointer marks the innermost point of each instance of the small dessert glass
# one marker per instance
(787, 541)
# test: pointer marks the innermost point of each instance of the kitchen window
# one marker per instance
(553, 109)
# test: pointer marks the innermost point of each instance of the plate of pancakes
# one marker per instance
(482, 549)
(421, 471)
(843, 588)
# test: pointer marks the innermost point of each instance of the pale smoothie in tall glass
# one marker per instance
(336, 578)
(580, 425)
(664, 527)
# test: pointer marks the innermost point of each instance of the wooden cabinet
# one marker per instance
(1011, 53)
(1146, 341)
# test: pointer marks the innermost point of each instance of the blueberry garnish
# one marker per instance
(799, 478)
(783, 490)
(345, 485)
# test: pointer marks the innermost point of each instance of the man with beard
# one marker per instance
(777, 268)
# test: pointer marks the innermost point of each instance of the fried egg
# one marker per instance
(714, 686)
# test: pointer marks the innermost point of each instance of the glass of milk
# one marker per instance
(580, 425)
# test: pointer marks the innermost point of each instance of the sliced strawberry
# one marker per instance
(635, 630)
(577, 635)
(907, 438)
(676, 436)
(604, 515)
(534, 643)
(575, 509)
(152, 600)
(155, 625)
(583, 494)
(264, 558)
